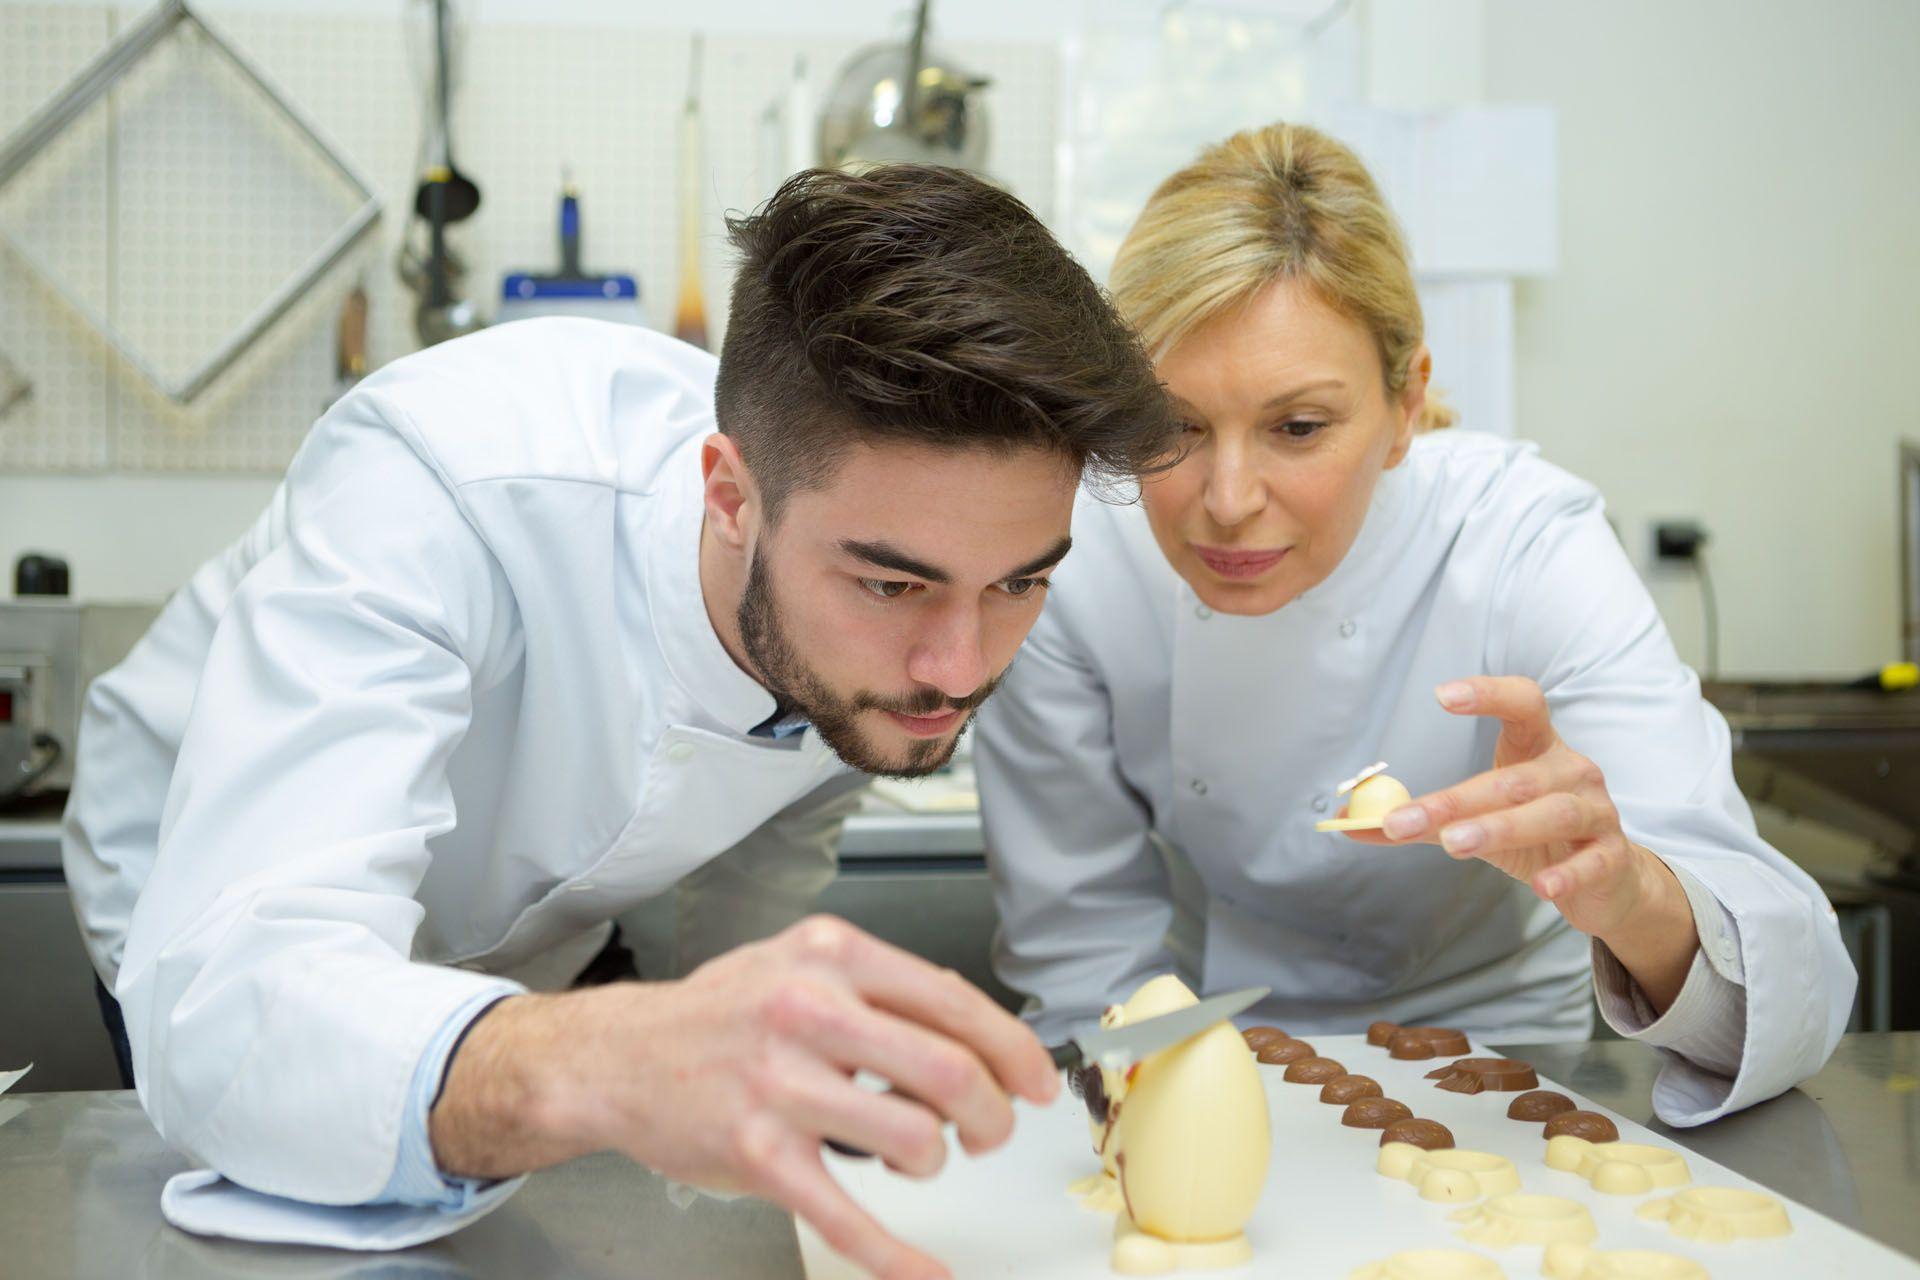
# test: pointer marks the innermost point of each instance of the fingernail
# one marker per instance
(1463, 837)
(1455, 695)
(1409, 820)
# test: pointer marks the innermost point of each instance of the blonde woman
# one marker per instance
(1320, 583)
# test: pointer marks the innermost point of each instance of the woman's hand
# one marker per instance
(1542, 814)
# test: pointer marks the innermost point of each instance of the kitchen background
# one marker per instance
(1671, 242)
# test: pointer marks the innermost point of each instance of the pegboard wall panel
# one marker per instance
(603, 104)
(65, 422)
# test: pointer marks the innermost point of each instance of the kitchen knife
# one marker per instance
(1117, 1047)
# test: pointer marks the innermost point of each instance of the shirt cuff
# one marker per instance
(417, 1179)
(1707, 1022)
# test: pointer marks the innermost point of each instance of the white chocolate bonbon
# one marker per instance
(1431, 1264)
(1507, 1220)
(1369, 804)
(1719, 1215)
(1583, 1262)
(1449, 1176)
(1617, 1168)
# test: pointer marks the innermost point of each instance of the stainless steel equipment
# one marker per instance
(50, 650)
(904, 102)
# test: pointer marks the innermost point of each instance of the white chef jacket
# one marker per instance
(1151, 773)
(449, 707)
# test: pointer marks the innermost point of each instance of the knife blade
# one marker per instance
(1116, 1047)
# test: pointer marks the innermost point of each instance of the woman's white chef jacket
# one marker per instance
(454, 703)
(1151, 772)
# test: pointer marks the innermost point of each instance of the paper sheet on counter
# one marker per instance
(9, 1078)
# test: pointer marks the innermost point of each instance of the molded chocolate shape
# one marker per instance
(1477, 1075)
(1375, 1113)
(1344, 1089)
(1540, 1104)
(1414, 1043)
(1314, 1071)
(1428, 1135)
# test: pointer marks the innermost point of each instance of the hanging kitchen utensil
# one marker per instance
(570, 291)
(690, 311)
(905, 102)
(459, 197)
(441, 314)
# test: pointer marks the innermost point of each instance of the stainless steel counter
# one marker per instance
(80, 1178)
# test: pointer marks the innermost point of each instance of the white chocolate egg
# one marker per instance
(1191, 1135)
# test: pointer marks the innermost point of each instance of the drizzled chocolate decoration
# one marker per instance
(1344, 1089)
(1087, 1084)
(1375, 1113)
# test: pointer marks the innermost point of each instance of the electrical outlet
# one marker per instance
(1678, 539)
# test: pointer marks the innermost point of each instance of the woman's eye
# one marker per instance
(885, 589)
(1301, 428)
(1022, 586)
(1190, 428)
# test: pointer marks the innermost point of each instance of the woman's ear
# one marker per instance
(1413, 404)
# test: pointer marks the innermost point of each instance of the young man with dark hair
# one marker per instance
(524, 640)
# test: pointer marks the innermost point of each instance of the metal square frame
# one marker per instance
(92, 84)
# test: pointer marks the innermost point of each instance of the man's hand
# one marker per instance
(730, 1078)
(1543, 815)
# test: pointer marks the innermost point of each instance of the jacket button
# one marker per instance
(680, 752)
(1319, 804)
(1347, 629)
(1199, 787)
(1201, 612)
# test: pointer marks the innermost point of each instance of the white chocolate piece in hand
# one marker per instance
(1617, 1168)
(1583, 1262)
(1719, 1215)
(1508, 1220)
(1369, 805)
(1431, 1264)
(1450, 1176)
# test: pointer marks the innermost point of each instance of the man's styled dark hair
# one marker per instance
(919, 304)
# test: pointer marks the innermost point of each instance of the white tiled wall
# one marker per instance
(175, 210)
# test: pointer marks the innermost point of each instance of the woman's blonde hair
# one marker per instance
(1285, 201)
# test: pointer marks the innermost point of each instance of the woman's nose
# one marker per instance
(1233, 491)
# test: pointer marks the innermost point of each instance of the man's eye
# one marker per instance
(1023, 586)
(884, 589)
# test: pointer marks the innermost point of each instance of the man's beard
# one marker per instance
(798, 689)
